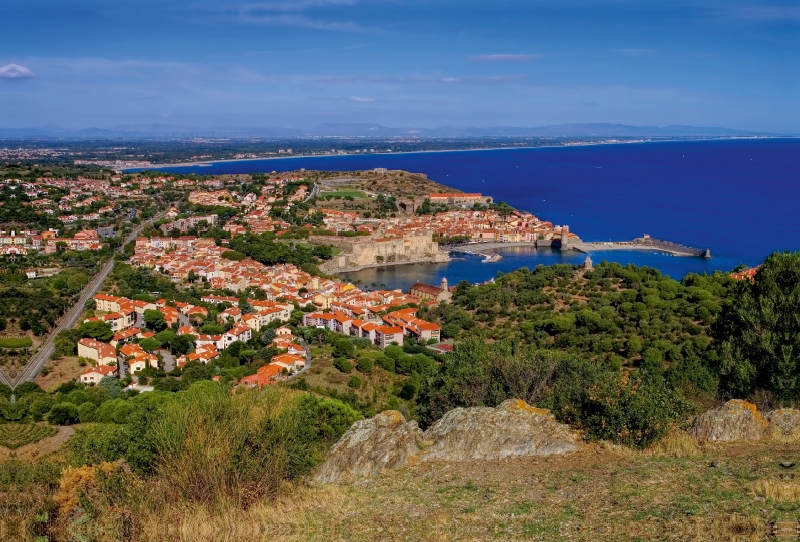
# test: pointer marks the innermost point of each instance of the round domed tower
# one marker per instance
(444, 283)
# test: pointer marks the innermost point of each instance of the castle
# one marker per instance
(372, 251)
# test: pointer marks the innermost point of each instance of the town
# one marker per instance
(199, 242)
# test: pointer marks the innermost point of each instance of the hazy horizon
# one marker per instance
(406, 63)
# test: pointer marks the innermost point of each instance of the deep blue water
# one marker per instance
(740, 198)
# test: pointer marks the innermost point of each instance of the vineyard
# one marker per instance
(16, 435)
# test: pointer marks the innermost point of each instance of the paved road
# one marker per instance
(314, 193)
(67, 320)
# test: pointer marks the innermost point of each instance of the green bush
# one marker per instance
(97, 442)
(343, 365)
(386, 363)
(365, 365)
(355, 382)
(63, 414)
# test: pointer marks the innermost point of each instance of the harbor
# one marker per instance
(645, 243)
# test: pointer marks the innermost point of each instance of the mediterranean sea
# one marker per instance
(740, 198)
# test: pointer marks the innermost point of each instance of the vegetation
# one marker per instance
(759, 332)
(16, 435)
(15, 342)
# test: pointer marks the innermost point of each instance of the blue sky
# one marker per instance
(202, 63)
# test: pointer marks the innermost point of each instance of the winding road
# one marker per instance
(68, 319)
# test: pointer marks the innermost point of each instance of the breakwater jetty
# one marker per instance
(640, 243)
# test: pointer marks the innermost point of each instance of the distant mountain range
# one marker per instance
(376, 130)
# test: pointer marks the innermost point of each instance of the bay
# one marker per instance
(738, 197)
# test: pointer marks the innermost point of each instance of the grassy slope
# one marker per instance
(377, 387)
(603, 493)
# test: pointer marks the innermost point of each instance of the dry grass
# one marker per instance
(677, 444)
(62, 370)
(602, 493)
(777, 490)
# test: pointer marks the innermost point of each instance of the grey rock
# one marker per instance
(386, 441)
(513, 429)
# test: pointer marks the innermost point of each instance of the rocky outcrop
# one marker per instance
(513, 429)
(386, 441)
(736, 420)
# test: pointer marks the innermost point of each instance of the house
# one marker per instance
(143, 360)
(234, 313)
(386, 335)
(125, 336)
(239, 332)
(107, 303)
(102, 353)
(93, 375)
(290, 362)
(266, 375)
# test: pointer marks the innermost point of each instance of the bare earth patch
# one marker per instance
(63, 370)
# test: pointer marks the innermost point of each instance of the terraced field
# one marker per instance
(16, 435)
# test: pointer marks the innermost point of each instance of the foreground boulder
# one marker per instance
(513, 429)
(736, 420)
(385, 441)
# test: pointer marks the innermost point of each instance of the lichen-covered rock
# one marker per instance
(386, 441)
(736, 420)
(513, 429)
(784, 424)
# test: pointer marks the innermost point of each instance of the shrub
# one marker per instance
(343, 365)
(386, 363)
(96, 442)
(355, 382)
(216, 447)
(365, 365)
(63, 414)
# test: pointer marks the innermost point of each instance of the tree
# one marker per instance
(96, 330)
(154, 320)
(181, 344)
(759, 331)
(112, 385)
(63, 414)
(150, 344)
(343, 348)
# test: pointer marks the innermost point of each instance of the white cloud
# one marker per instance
(505, 58)
(360, 99)
(15, 71)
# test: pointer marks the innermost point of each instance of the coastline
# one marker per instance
(442, 151)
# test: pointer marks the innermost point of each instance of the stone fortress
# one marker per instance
(363, 252)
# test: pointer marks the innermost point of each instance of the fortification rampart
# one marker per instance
(371, 252)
